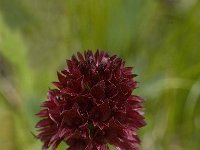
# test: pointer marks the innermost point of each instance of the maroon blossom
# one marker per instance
(92, 106)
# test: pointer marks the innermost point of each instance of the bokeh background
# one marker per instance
(161, 38)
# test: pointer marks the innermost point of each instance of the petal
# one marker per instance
(58, 85)
(97, 57)
(43, 113)
(80, 56)
(44, 123)
(70, 65)
(98, 91)
(111, 90)
(134, 98)
(68, 91)
(105, 110)
(72, 118)
(61, 78)
(55, 145)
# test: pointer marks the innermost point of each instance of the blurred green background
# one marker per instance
(161, 38)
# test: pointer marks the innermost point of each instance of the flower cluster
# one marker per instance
(92, 105)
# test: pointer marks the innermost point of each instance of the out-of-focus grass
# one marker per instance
(159, 37)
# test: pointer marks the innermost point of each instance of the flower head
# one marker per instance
(92, 105)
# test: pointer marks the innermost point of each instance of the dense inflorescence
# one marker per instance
(92, 105)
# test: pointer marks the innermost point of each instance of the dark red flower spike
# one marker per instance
(92, 106)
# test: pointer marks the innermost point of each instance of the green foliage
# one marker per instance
(160, 38)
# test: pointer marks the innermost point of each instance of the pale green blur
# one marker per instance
(161, 38)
